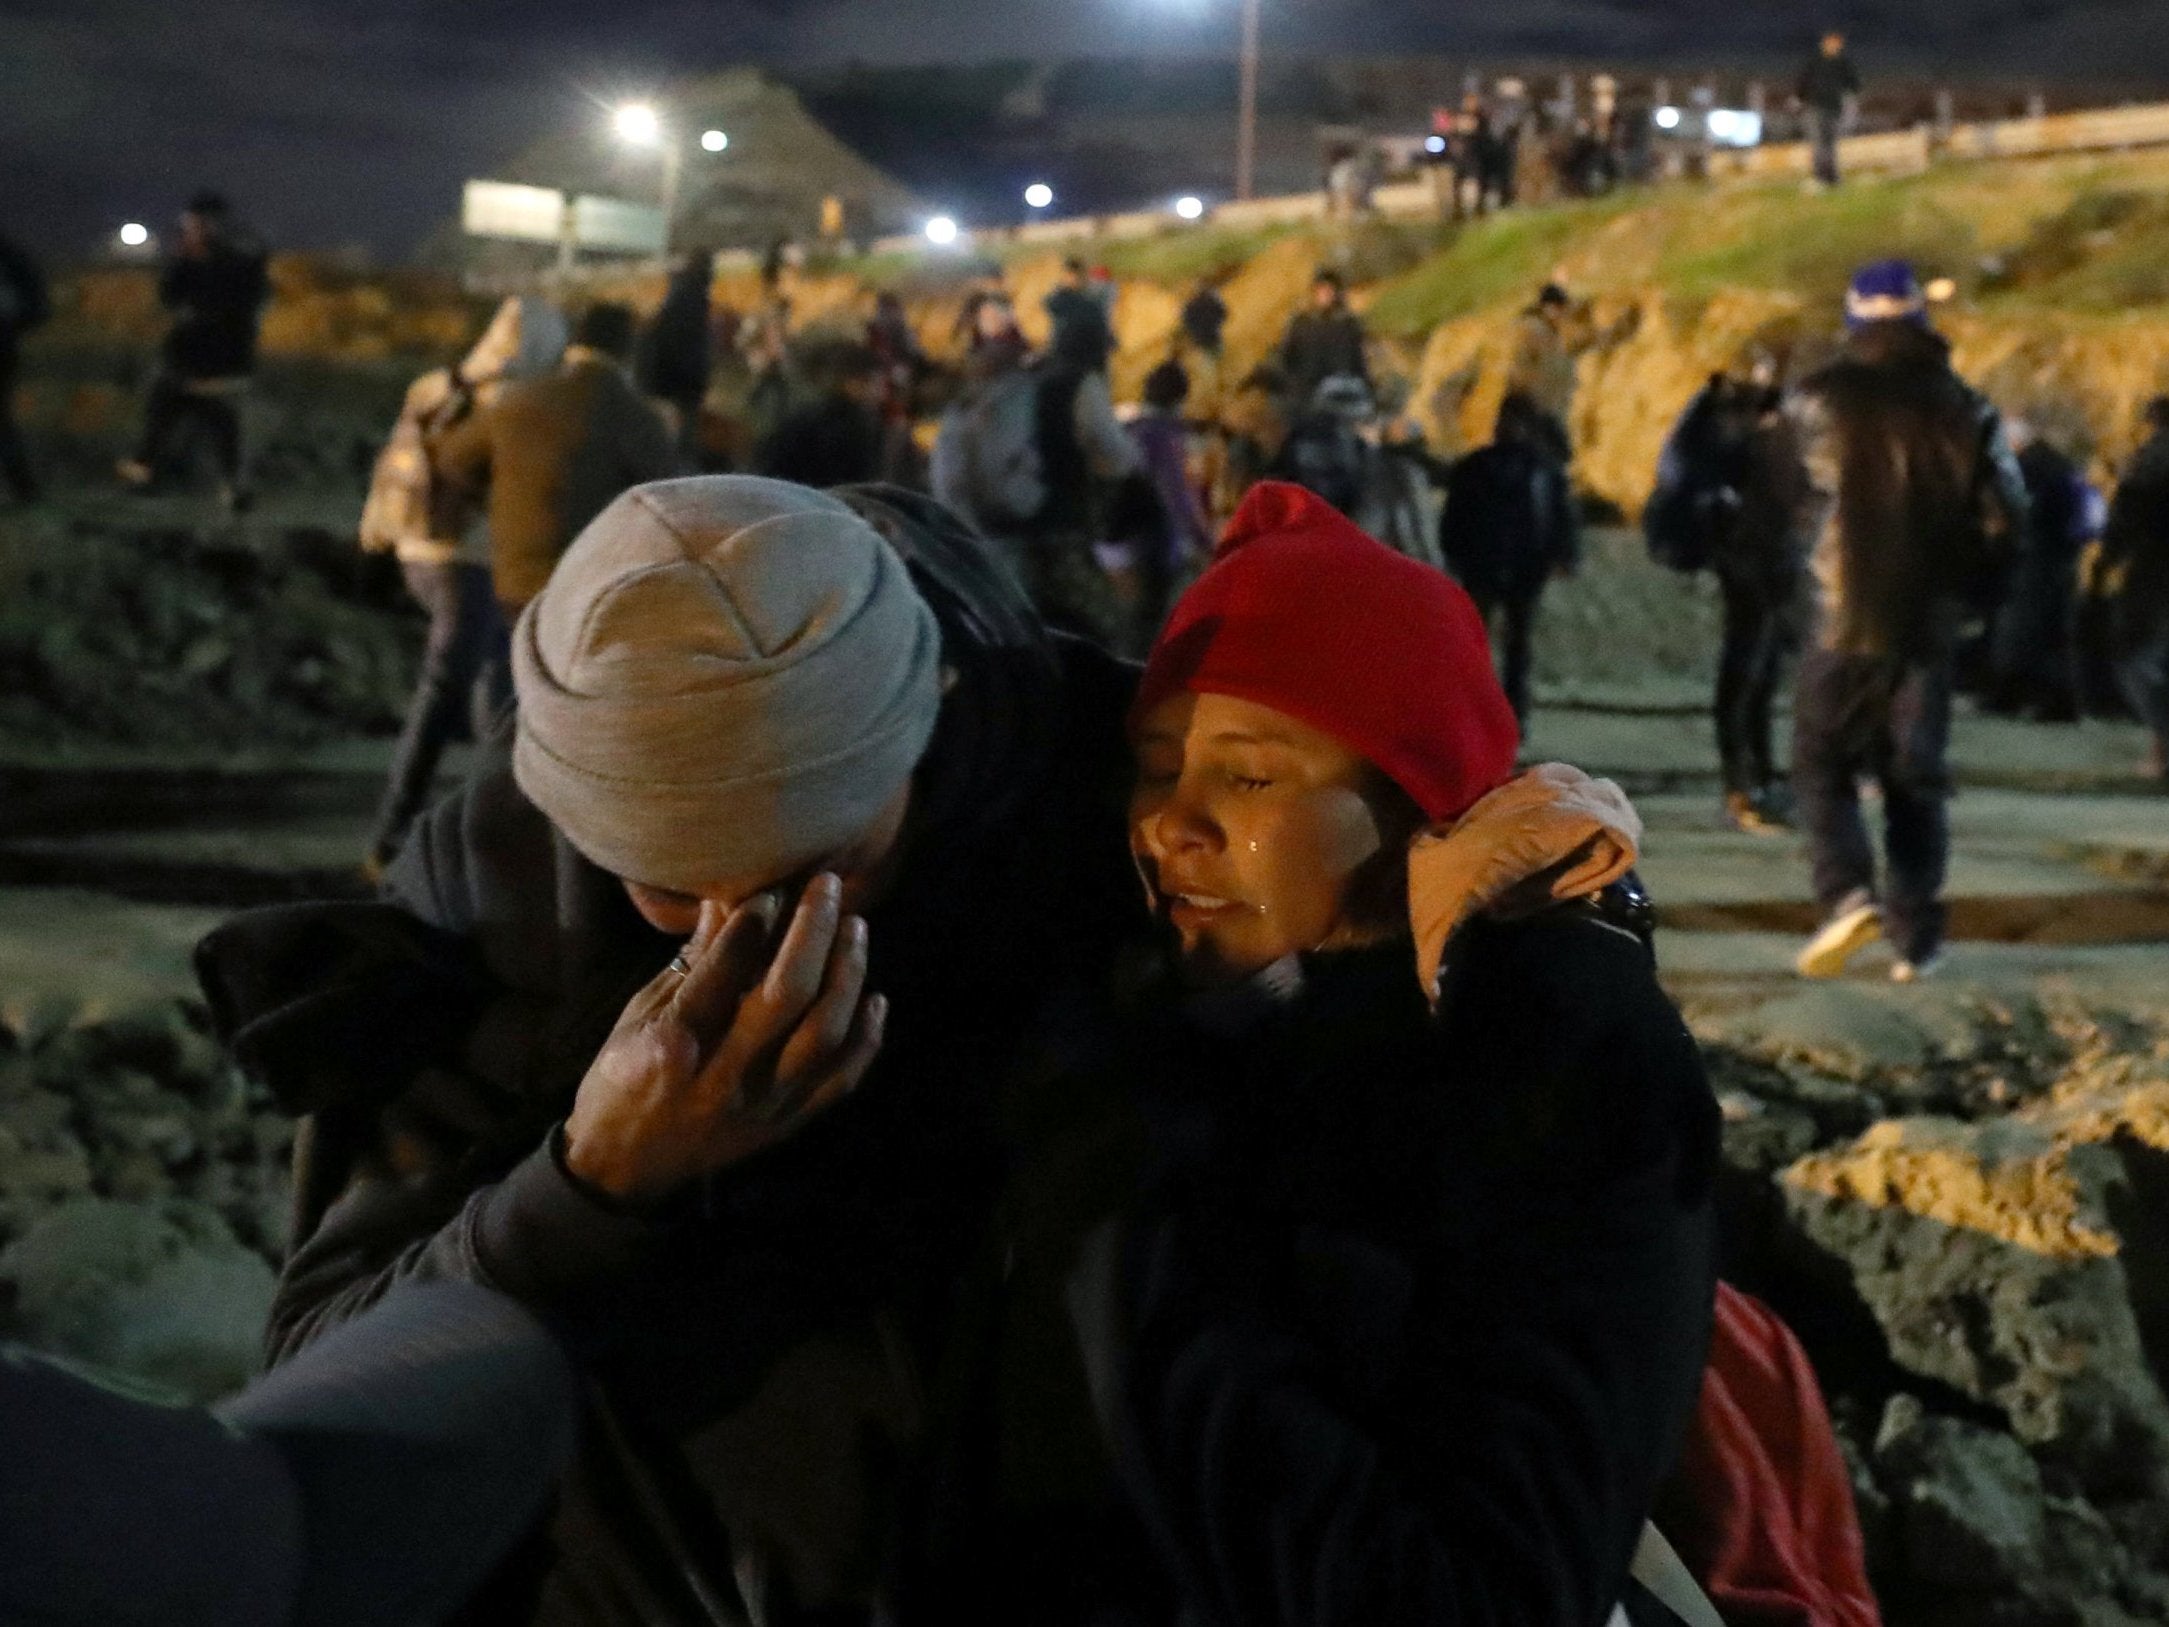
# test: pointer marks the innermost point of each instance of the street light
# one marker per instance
(639, 125)
(713, 141)
(941, 231)
(1039, 195)
(134, 235)
(1190, 208)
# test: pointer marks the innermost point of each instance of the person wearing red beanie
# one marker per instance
(1409, 1318)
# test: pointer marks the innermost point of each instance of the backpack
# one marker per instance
(404, 503)
(988, 459)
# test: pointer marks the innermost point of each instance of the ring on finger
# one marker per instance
(680, 965)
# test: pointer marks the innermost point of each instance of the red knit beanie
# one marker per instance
(1302, 612)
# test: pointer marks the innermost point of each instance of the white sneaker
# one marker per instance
(1844, 935)
(1912, 971)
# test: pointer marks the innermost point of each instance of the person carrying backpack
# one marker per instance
(1509, 528)
(429, 525)
(24, 304)
(1022, 457)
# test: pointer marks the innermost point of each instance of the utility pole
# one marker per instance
(1246, 144)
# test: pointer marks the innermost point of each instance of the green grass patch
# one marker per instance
(1487, 263)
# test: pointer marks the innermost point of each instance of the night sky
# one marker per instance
(353, 121)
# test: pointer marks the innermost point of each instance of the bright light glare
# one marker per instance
(1039, 195)
(1434, 144)
(1668, 118)
(638, 123)
(941, 231)
(134, 235)
(1735, 127)
(1190, 208)
(714, 141)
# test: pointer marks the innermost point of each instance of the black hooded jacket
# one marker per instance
(1406, 1323)
(1910, 498)
(766, 1352)
(2136, 544)
(217, 300)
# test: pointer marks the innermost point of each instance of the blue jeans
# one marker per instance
(466, 673)
(1888, 720)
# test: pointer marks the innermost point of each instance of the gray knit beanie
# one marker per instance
(724, 677)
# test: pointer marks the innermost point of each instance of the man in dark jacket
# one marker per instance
(1828, 89)
(774, 1363)
(24, 304)
(1205, 319)
(2033, 664)
(1723, 500)
(2134, 570)
(216, 286)
(1323, 342)
(675, 353)
(1911, 502)
(1078, 313)
(1509, 529)
(835, 439)
(554, 452)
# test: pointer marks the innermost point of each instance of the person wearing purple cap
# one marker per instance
(1907, 499)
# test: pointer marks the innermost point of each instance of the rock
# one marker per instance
(161, 1293)
(1968, 1502)
(1986, 1256)
(1852, 1031)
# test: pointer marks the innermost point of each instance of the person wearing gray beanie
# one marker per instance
(726, 683)
(586, 1051)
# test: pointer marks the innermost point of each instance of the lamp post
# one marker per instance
(638, 124)
(1246, 140)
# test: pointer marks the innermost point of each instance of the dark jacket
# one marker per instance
(1082, 334)
(1827, 81)
(2136, 545)
(25, 301)
(1411, 1317)
(553, 453)
(217, 300)
(830, 442)
(673, 360)
(1320, 345)
(1509, 521)
(1726, 487)
(1910, 498)
(1205, 319)
(774, 1345)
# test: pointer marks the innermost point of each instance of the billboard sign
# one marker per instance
(618, 227)
(525, 214)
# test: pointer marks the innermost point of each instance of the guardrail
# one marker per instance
(1886, 152)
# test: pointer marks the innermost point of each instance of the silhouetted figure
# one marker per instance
(674, 358)
(216, 285)
(24, 304)
(1509, 529)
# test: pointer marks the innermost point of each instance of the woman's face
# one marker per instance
(866, 865)
(1261, 837)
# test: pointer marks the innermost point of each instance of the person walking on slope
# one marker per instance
(1025, 456)
(2133, 568)
(1722, 503)
(24, 304)
(1509, 529)
(1828, 93)
(1323, 341)
(554, 452)
(1910, 502)
(216, 286)
(430, 525)
(676, 352)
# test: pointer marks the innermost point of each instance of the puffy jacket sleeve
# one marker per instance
(1554, 1369)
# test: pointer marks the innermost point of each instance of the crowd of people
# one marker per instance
(924, 1117)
